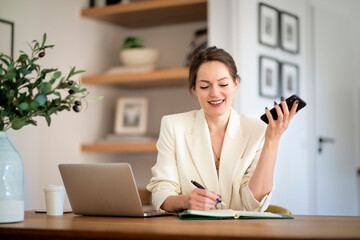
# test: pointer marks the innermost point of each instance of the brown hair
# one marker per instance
(207, 55)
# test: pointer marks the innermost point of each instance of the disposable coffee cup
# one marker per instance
(54, 200)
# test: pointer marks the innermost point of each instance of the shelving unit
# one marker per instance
(150, 13)
(143, 14)
(157, 78)
(125, 147)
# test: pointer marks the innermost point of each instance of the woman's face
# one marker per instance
(215, 88)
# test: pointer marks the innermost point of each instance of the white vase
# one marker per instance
(11, 182)
(139, 57)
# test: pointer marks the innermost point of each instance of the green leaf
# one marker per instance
(57, 74)
(24, 106)
(57, 94)
(79, 71)
(5, 61)
(36, 46)
(48, 119)
(34, 105)
(2, 125)
(44, 40)
(11, 66)
(41, 99)
(17, 124)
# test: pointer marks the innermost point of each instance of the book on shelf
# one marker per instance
(229, 214)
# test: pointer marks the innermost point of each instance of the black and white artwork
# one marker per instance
(131, 115)
(268, 25)
(7, 37)
(268, 77)
(289, 29)
(289, 79)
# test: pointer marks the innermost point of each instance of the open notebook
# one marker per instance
(229, 214)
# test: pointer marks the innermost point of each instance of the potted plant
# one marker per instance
(28, 91)
(135, 55)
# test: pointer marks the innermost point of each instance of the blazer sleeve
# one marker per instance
(250, 203)
(165, 180)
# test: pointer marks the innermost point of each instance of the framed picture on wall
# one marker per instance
(268, 77)
(7, 37)
(131, 115)
(289, 79)
(289, 32)
(268, 25)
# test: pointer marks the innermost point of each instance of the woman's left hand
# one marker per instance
(277, 127)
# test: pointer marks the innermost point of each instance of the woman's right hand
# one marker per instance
(200, 199)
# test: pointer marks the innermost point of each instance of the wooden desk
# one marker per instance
(70, 226)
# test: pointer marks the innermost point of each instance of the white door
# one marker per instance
(336, 184)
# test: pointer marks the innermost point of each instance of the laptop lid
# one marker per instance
(103, 189)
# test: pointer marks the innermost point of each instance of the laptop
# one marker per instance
(103, 189)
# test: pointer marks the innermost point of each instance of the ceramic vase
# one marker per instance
(11, 182)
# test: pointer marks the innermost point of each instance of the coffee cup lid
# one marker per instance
(52, 187)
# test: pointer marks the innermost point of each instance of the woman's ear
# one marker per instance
(193, 90)
(236, 83)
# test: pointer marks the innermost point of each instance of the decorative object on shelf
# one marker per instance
(7, 37)
(130, 138)
(111, 2)
(268, 25)
(289, 79)
(131, 115)
(135, 55)
(197, 44)
(26, 92)
(97, 3)
(268, 77)
(289, 29)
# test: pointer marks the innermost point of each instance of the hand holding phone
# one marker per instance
(289, 101)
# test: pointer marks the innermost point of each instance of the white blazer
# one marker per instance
(185, 154)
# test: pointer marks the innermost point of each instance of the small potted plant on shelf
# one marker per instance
(135, 55)
(27, 91)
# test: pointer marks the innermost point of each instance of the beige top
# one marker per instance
(185, 154)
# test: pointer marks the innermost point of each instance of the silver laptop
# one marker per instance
(104, 189)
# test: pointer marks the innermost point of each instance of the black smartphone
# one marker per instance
(289, 101)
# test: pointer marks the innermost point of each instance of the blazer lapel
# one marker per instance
(199, 145)
(232, 151)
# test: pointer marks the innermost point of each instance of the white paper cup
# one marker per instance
(54, 199)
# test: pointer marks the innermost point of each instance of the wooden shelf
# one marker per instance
(150, 13)
(124, 147)
(157, 78)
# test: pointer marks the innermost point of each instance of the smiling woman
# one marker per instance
(233, 156)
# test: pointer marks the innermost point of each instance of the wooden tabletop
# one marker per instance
(70, 226)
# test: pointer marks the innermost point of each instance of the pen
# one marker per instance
(198, 185)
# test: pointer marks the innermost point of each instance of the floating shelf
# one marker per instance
(157, 78)
(124, 147)
(150, 13)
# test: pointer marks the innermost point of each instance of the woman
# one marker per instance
(231, 155)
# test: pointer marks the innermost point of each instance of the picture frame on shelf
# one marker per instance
(268, 25)
(7, 37)
(289, 33)
(269, 77)
(289, 79)
(131, 115)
